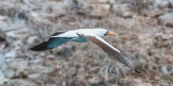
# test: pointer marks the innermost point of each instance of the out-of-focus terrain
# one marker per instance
(145, 38)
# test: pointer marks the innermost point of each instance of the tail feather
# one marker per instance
(40, 47)
(50, 44)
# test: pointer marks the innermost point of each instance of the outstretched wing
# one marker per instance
(115, 53)
(50, 44)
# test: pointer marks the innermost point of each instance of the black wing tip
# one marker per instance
(40, 47)
(57, 33)
(34, 49)
(137, 71)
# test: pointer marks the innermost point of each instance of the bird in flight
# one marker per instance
(84, 35)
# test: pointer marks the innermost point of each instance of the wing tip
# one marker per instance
(40, 47)
(57, 33)
(33, 49)
(137, 71)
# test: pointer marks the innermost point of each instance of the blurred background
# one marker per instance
(145, 38)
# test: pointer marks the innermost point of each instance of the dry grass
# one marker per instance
(142, 40)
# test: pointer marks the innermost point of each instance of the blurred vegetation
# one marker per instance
(144, 28)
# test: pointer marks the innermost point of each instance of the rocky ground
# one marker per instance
(145, 38)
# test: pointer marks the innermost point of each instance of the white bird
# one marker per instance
(83, 35)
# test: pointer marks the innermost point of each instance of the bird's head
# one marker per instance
(103, 32)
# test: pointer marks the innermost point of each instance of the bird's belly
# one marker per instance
(79, 39)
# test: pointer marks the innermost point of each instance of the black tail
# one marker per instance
(40, 47)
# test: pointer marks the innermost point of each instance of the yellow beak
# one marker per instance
(111, 33)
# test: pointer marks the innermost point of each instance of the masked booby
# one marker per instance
(84, 35)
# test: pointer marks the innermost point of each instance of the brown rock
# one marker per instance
(34, 76)
(122, 10)
(58, 9)
(95, 10)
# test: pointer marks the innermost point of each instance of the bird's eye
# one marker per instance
(106, 33)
